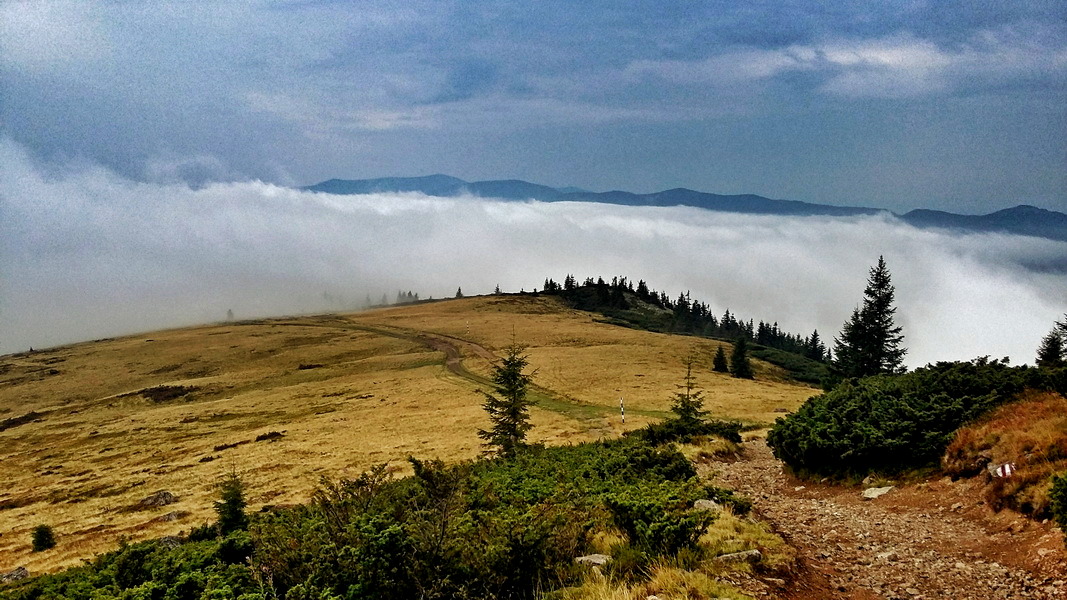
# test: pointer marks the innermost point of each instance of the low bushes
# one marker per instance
(150, 570)
(489, 529)
(890, 423)
(678, 430)
(500, 528)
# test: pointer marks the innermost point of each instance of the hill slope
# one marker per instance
(88, 431)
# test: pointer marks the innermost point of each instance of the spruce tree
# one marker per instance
(231, 506)
(1050, 353)
(43, 538)
(869, 343)
(688, 401)
(740, 366)
(1053, 350)
(509, 409)
(814, 348)
(718, 364)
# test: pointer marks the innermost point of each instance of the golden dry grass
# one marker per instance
(1030, 433)
(347, 391)
(665, 583)
(668, 581)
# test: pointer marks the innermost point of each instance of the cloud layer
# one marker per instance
(87, 253)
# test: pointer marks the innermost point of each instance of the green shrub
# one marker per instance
(1059, 500)
(628, 562)
(799, 367)
(677, 430)
(150, 570)
(889, 423)
(657, 518)
(43, 538)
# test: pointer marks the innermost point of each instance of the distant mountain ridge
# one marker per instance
(1019, 220)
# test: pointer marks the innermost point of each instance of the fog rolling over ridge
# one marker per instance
(87, 254)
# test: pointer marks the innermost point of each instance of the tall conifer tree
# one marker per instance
(870, 342)
(1053, 350)
(719, 364)
(740, 366)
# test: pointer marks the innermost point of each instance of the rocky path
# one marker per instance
(921, 541)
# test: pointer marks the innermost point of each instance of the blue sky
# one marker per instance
(959, 106)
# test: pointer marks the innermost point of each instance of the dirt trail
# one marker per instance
(457, 349)
(922, 541)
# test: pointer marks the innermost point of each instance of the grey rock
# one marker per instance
(596, 560)
(706, 505)
(160, 498)
(753, 556)
(169, 542)
(16, 575)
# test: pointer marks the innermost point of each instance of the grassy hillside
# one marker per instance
(1031, 435)
(88, 431)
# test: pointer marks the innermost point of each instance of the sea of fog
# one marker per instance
(88, 254)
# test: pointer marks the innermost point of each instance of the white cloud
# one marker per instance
(894, 66)
(42, 36)
(88, 254)
(725, 69)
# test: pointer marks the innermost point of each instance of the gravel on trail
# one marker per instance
(924, 540)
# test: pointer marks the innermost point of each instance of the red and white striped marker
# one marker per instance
(1004, 470)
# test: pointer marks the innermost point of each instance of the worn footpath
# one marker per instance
(927, 540)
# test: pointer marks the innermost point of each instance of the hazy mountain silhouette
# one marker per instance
(1021, 220)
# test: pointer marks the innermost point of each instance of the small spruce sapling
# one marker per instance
(688, 401)
(43, 538)
(508, 408)
(231, 506)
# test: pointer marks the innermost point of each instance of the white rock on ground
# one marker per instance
(877, 492)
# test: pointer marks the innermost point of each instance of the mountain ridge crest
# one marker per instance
(1023, 219)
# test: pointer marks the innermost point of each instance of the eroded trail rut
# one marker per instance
(928, 541)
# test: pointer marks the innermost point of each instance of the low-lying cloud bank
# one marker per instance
(86, 254)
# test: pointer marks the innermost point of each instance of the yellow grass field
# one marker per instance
(86, 432)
